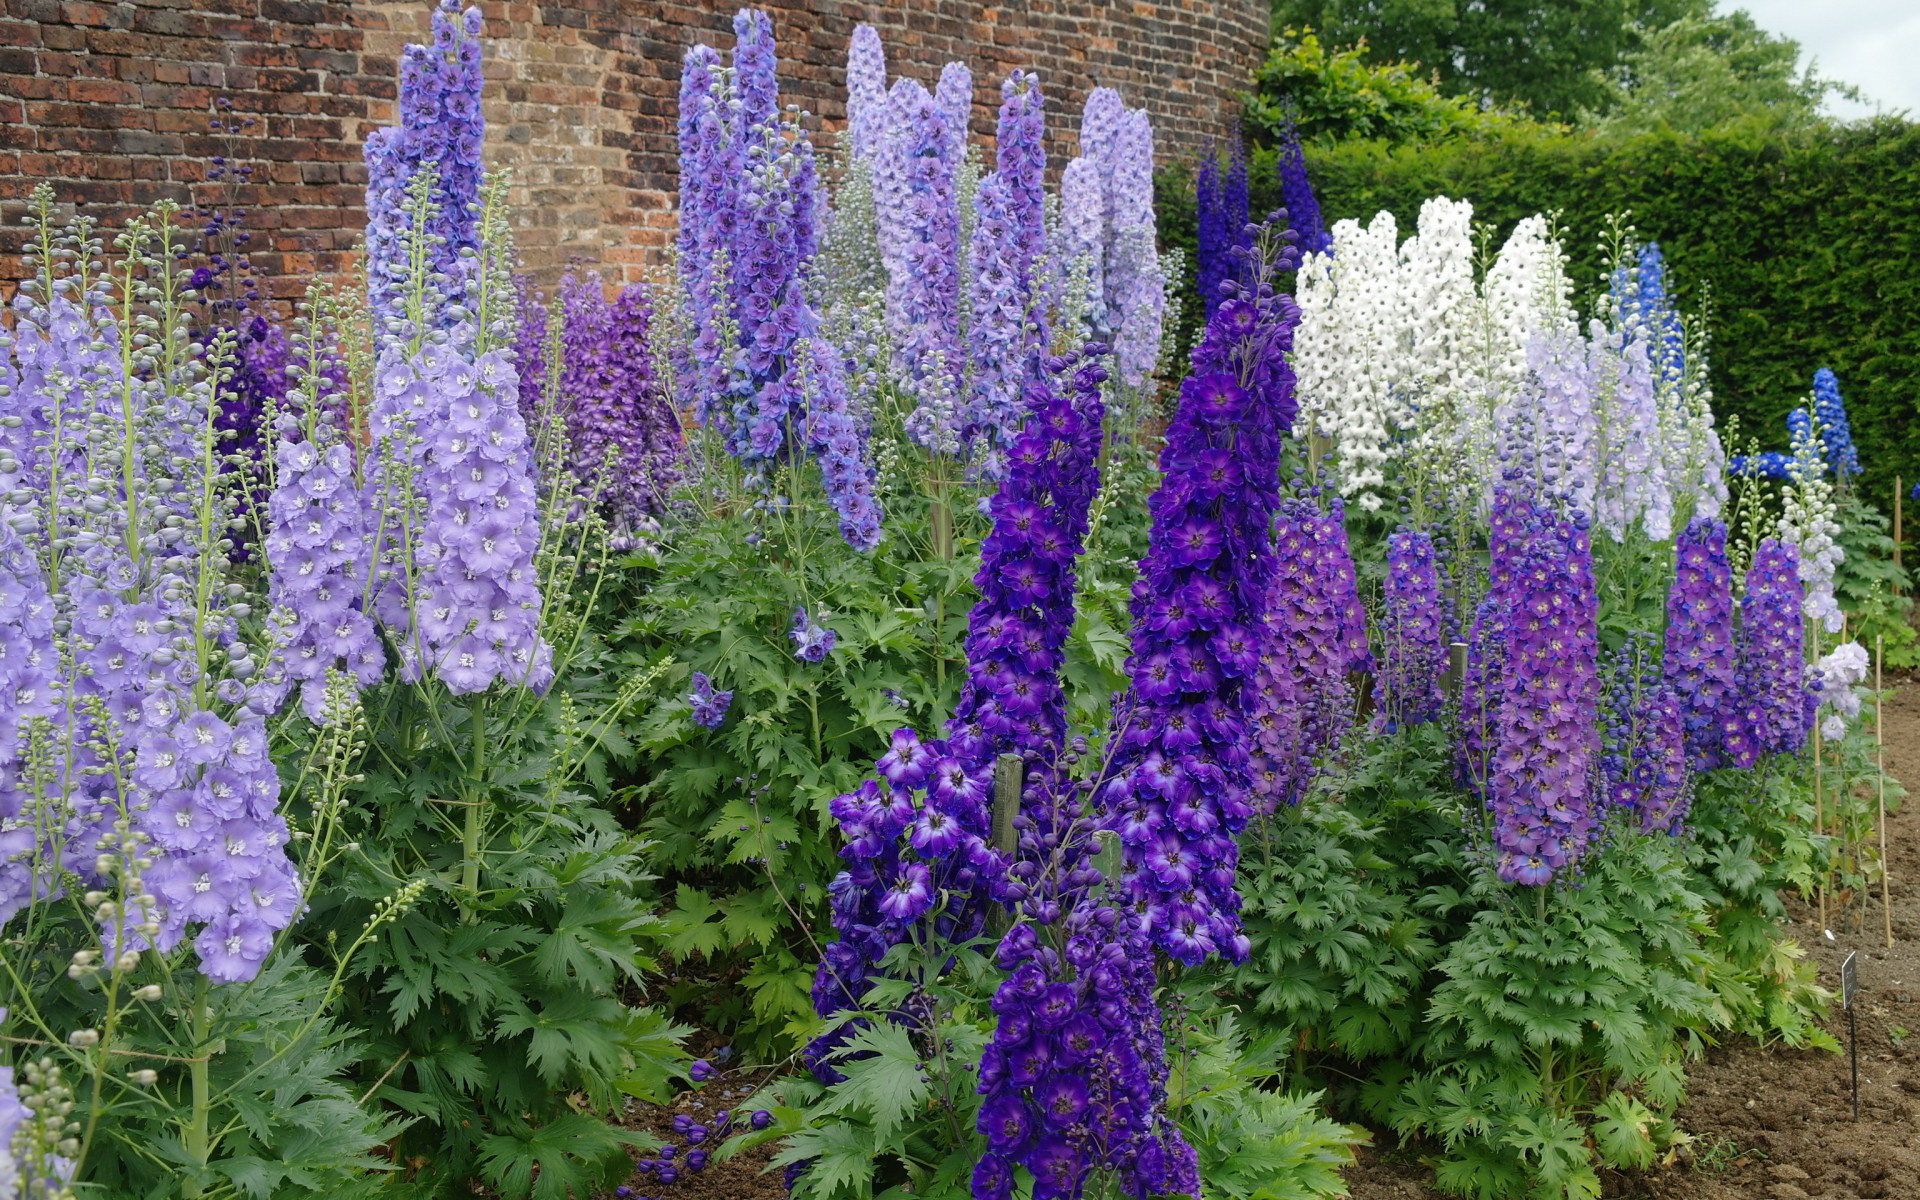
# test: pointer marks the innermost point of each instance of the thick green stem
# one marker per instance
(199, 1143)
(477, 795)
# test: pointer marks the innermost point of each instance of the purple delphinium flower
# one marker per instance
(756, 84)
(530, 352)
(712, 159)
(471, 518)
(1296, 193)
(1645, 759)
(440, 124)
(1413, 632)
(1075, 1078)
(1699, 660)
(1179, 790)
(1082, 238)
(709, 706)
(811, 642)
(866, 92)
(1545, 755)
(919, 158)
(320, 559)
(913, 857)
(29, 691)
(1313, 639)
(623, 438)
(954, 96)
(1774, 706)
(1136, 289)
(1008, 338)
(1012, 700)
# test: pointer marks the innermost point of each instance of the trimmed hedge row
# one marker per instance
(1805, 250)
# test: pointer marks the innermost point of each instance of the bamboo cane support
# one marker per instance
(1880, 782)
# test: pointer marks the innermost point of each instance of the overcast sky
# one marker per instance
(1872, 44)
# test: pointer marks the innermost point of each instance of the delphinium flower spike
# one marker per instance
(440, 124)
(1809, 523)
(1413, 632)
(1296, 193)
(1699, 660)
(1645, 757)
(866, 92)
(1775, 705)
(1836, 432)
(1178, 764)
(1222, 219)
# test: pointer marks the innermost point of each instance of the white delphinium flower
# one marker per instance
(1837, 674)
(1438, 314)
(1807, 521)
(1349, 354)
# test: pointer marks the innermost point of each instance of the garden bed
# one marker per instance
(1776, 1122)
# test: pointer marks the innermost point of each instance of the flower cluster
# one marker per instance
(1296, 194)
(1809, 523)
(914, 853)
(1514, 521)
(1775, 706)
(709, 707)
(1413, 632)
(1118, 142)
(29, 693)
(1544, 757)
(470, 516)
(1836, 675)
(1638, 294)
(530, 352)
(1222, 220)
(749, 231)
(1700, 651)
(440, 125)
(1008, 336)
(1179, 791)
(1645, 761)
(812, 642)
(320, 555)
(1313, 640)
(1075, 1079)
(866, 93)
(1012, 701)
(623, 437)
(916, 171)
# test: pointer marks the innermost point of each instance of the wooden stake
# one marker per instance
(1899, 498)
(1819, 821)
(1880, 757)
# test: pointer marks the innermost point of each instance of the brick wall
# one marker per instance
(111, 101)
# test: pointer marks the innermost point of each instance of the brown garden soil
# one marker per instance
(1770, 1123)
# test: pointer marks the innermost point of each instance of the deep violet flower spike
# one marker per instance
(624, 441)
(1645, 757)
(1012, 700)
(1414, 633)
(1223, 217)
(1544, 763)
(1296, 194)
(1699, 661)
(1075, 1079)
(1775, 705)
(1179, 768)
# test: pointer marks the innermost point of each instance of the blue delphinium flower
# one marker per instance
(1296, 194)
(1836, 432)
(1223, 217)
(866, 92)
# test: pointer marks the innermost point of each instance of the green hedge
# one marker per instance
(1808, 247)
